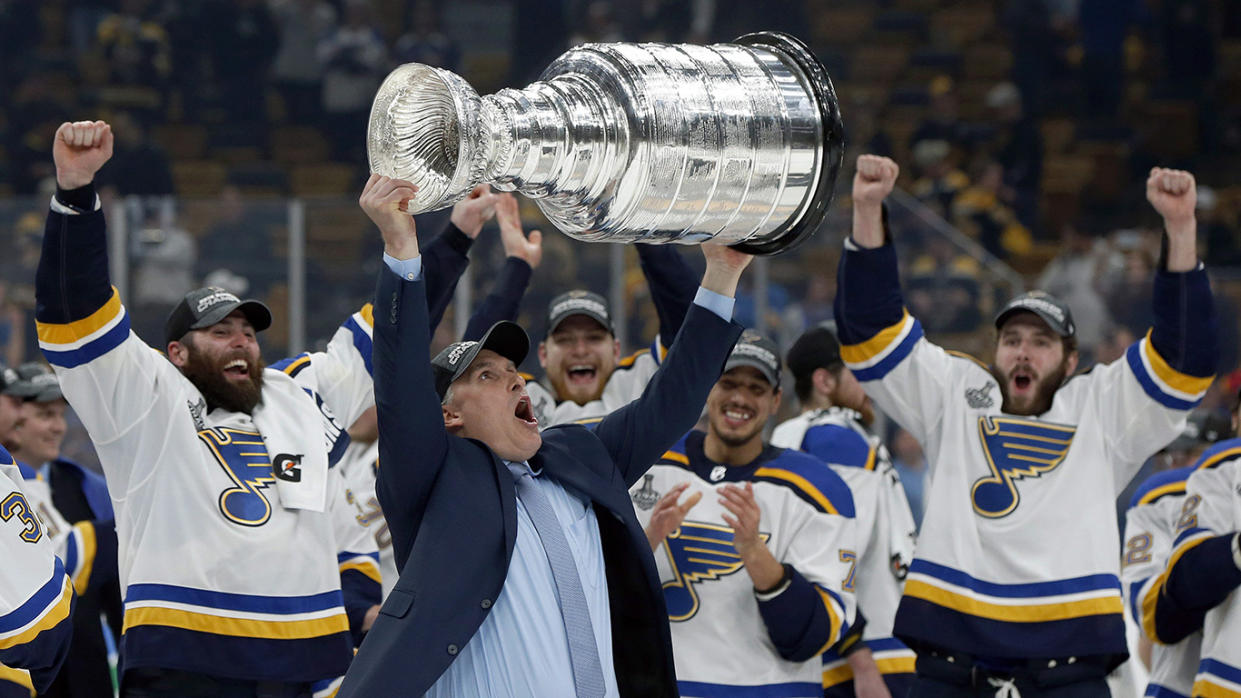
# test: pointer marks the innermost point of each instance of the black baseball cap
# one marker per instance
(755, 350)
(1203, 426)
(8, 377)
(1050, 309)
(816, 348)
(504, 338)
(578, 302)
(204, 307)
(35, 383)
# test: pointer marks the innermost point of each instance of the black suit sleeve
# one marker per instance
(673, 285)
(503, 301)
(444, 259)
(414, 444)
(637, 434)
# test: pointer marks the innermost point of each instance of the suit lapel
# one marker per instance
(578, 477)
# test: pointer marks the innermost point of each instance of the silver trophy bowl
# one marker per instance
(735, 143)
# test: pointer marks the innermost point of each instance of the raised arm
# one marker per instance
(413, 443)
(672, 289)
(522, 256)
(638, 433)
(445, 257)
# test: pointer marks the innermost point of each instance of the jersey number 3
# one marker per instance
(15, 505)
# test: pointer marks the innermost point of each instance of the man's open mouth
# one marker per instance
(582, 374)
(525, 412)
(736, 417)
(237, 369)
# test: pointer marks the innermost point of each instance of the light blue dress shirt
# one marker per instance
(521, 648)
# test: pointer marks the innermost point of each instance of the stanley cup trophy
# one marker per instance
(735, 143)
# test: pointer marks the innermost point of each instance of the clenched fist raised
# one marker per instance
(79, 150)
(875, 178)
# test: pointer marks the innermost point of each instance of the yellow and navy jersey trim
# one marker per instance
(360, 326)
(362, 563)
(838, 623)
(947, 607)
(875, 357)
(46, 609)
(890, 654)
(16, 682)
(1216, 679)
(1219, 454)
(79, 342)
(1154, 690)
(80, 549)
(1160, 381)
(789, 689)
(235, 615)
(293, 365)
(327, 688)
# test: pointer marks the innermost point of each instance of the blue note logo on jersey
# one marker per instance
(243, 455)
(1016, 449)
(698, 552)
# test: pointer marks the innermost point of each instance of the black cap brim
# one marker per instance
(256, 313)
(736, 362)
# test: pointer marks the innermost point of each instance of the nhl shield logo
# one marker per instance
(646, 497)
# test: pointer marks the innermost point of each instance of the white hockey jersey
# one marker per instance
(1019, 547)
(219, 576)
(624, 386)
(722, 635)
(1150, 529)
(36, 596)
(359, 468)
(1213, 508)
(885, 528)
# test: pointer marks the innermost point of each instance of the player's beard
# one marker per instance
(1044, 393)
(208, 376)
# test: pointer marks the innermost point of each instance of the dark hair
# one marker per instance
(803, 384)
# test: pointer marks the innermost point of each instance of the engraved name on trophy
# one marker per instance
(737, 143)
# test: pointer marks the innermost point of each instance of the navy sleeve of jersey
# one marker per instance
(835, 444)
(503, 301)
(673, 286)
(43, 646)
(1197, 581)
(444, 260)
(799, 621)
(72, 280)
(868, 292)
(1185, 332)
(360, 592)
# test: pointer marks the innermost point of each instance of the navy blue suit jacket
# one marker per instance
(450, 504)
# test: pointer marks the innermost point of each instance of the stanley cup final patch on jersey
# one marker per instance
(646, 497)
(980, 398)
(1016, 449)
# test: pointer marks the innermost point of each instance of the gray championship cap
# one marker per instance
(35, 383)
(756, 351)
(1050, 309)
(578, 302)
(504, 338)
(204, 307)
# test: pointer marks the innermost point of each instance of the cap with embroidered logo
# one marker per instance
(504, 338)
(1050, 309)
(204, 307)
(756, 351)
(578, 302)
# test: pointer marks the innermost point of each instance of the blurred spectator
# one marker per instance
(1071, 276)
(1018, 145)
(1129, 295)
(1035, 29)
(35, 111)
(239, 242)
(671, 21)
(1189, 45)
(980, 213)
(164, 256)
(1223, 244)
(19, 33)
(139, 166)
(599, 25)
(243, 36)
(1115, 342)
(944, 123)
(944, 288)
(911, 466)
(354, 58)
(547, 20)
(135, 46)
(426, 42)
(1104, 25)
(12, 328)
(939, 181)
(301, 24)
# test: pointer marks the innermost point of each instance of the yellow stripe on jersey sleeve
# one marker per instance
(20, 677)
(800, 483)
(368, 314)
(50, 333)
(833, 634)
(881, 342)
(367, 567)
(675, 457)
(58, 610)
(1182, 382)
(86, 561)
(1150, 598)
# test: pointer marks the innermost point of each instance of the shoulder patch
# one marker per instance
(292, 365)
(832, 443)
(811, 480)
(1159, 485)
